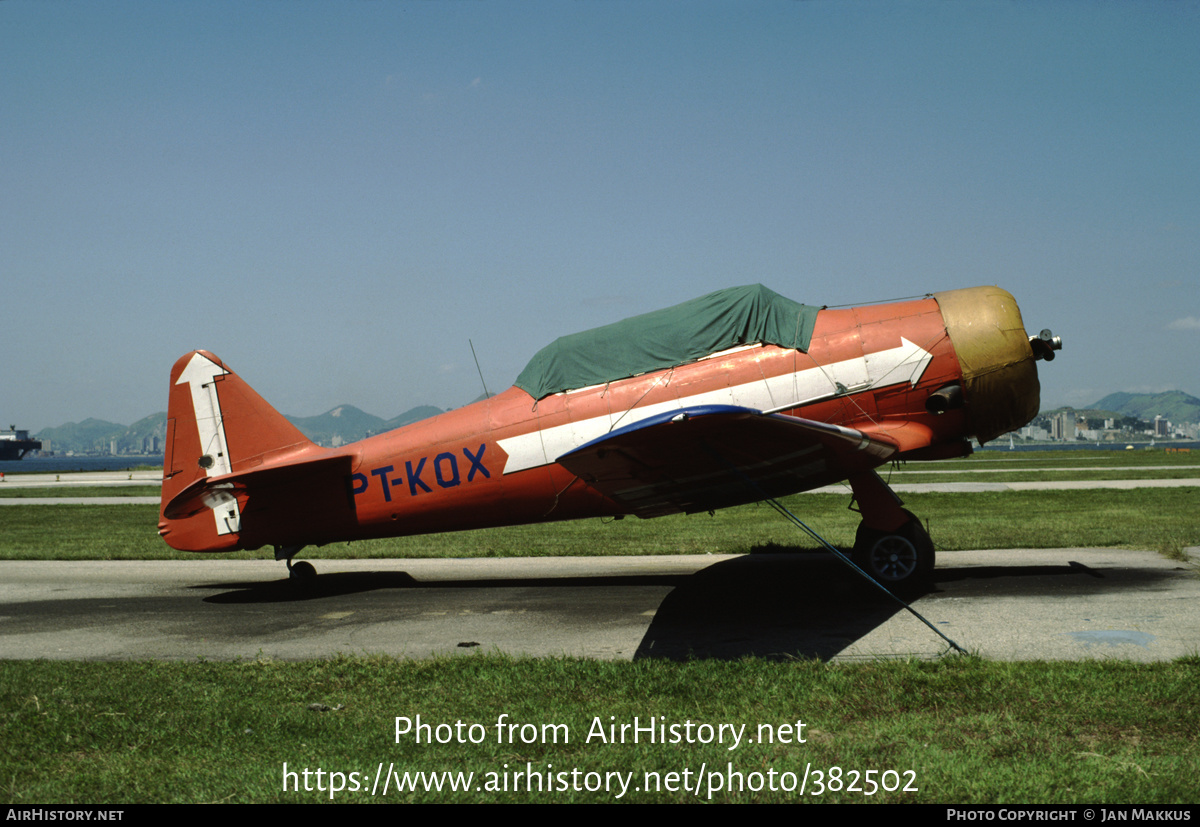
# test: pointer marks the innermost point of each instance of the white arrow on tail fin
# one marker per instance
(904, 363)
(200, 376)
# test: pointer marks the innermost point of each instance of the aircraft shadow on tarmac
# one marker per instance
(788, 606)
(784, 605)
(779, 606)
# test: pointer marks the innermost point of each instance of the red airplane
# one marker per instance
(738, 396)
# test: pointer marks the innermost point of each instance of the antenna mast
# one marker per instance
(486, 394)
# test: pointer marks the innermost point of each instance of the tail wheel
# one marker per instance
(897, 558)
(302, 572)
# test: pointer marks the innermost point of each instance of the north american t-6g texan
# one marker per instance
(738, 396)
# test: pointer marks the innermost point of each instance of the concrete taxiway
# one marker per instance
(1005, 605)
(82, 478)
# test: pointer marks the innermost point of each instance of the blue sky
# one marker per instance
(336, 197)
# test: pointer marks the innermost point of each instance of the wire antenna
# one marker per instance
(486, 393)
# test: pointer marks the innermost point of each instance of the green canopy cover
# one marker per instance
(665, 338)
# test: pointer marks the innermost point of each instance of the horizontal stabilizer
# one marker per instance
(214, 492)
(715, 456)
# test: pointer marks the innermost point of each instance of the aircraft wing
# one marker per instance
(715, 456)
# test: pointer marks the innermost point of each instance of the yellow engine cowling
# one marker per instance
(1000, 382)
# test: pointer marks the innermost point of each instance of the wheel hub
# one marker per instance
(894, 558)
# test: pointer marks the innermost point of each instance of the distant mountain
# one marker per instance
(412, 415)
(340, 425)
(1176, 406)
(97, 436)
(146, 435)
(88, 435)
(346, 423)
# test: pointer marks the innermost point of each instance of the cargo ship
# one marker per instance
(15, 444)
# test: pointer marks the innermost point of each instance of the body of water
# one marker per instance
(1002, 445)
(59, 465)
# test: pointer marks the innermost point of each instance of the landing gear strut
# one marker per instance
(891, 545)
(898, 553)
(300, 572)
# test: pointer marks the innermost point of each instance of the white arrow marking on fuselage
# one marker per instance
(905, 363)
(200, 375)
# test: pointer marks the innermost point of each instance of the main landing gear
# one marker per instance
(301, 572)
(891, 545)
(891, 550)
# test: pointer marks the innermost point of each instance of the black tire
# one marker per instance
(303, 571)
(898, 559)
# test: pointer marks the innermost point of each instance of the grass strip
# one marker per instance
(969, 731)
(1165, 520)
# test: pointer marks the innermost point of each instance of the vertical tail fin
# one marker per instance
(216, 425)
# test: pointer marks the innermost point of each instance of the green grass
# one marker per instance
(1164, 520)
(969, 731)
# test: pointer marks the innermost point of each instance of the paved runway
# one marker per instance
(1006, 605)
(77, 478)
